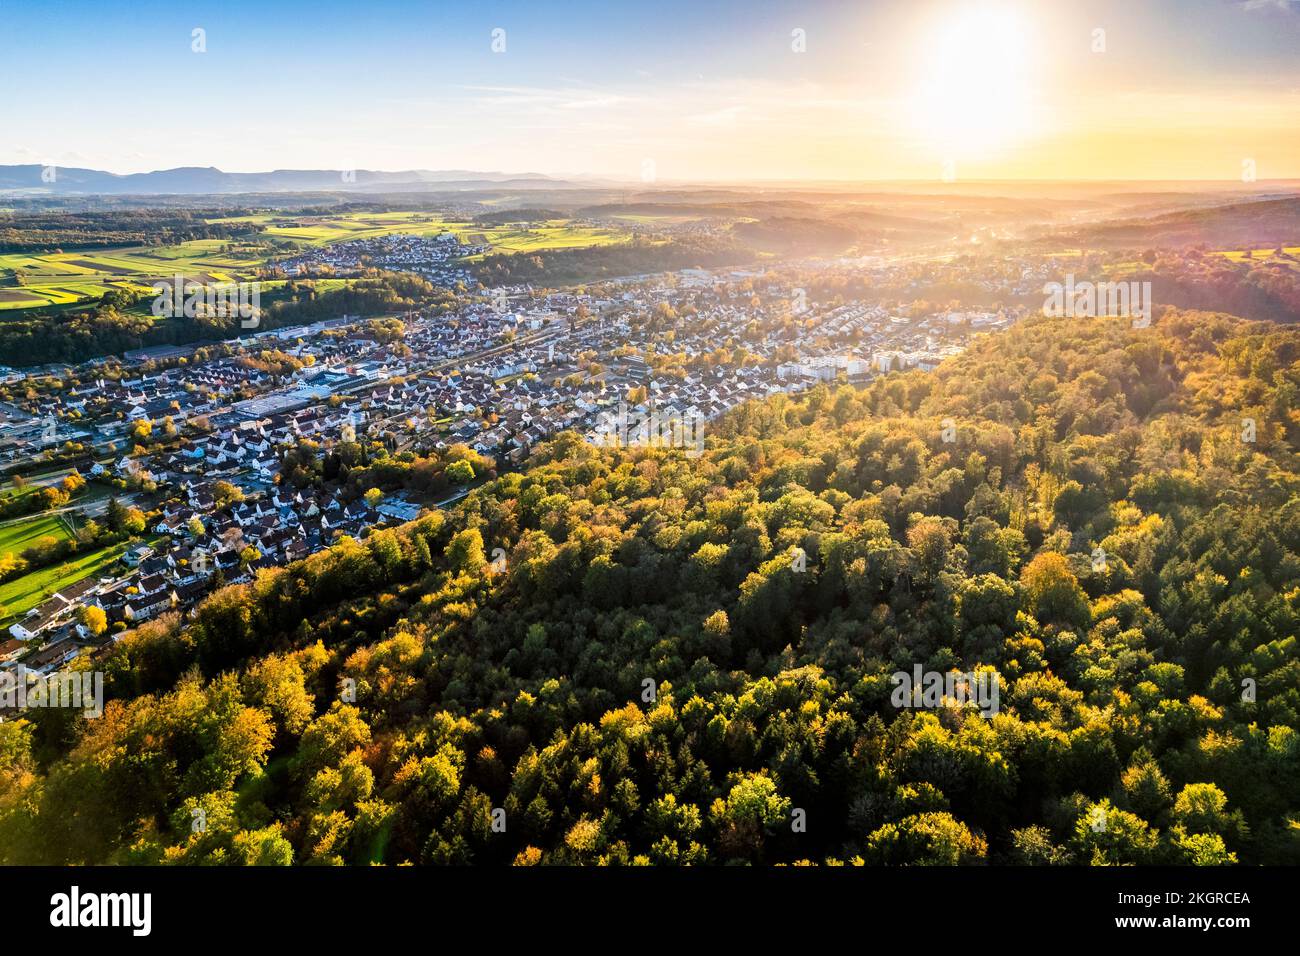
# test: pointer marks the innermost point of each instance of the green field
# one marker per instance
(17, 537)
(22, 594)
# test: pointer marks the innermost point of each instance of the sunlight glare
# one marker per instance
(974, 94)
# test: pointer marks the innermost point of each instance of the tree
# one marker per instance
(927, 839)
(93, 619)
(279, 683)
(53, 498)
(1052, 591)
(140, 431)
(465, 552)
(225, 494)
(133, 521)
(1145, 787)
(460, 472)
(1104, 835)
(1202, 808)
(1205, 849)
(751, 809)
(115, 515)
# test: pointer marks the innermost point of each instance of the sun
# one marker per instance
(974, 91)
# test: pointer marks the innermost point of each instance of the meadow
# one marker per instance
(20, 535)
(20, 595)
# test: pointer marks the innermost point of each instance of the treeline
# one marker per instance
(300, 303)
(795, 235)
(638, 257)
(498, 217)
(66, 231)
(634, 657)
(23, 500)
(1264, 287)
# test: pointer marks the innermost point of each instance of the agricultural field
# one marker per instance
(549, 235)
(66, 278)
(1265, 255)
(1291, 259)
(69, 278)
(505, 238)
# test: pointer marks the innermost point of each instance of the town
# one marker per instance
(207, 445)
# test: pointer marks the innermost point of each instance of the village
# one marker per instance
(436, 258)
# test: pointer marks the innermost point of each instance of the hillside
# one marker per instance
(1251, 223)
(689, 660)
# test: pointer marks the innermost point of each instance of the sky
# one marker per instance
(666, 91)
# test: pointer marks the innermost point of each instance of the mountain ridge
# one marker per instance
(185, 180)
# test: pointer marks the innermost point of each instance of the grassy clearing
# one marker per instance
(22, 594)
(17, 537)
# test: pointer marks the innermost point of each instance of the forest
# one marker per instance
(629, 657)
(57, 229)
(557, 267)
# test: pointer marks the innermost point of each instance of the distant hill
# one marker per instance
(208, 180)
(1255, 223)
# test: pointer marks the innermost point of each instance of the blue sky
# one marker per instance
(702, 90)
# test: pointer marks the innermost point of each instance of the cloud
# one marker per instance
(1287, 6)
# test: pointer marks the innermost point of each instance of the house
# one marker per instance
(141, 607)
(171, 524)
(151, 585)
(38, 620)
(399, 510)
(135, 555)
(51, 658)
